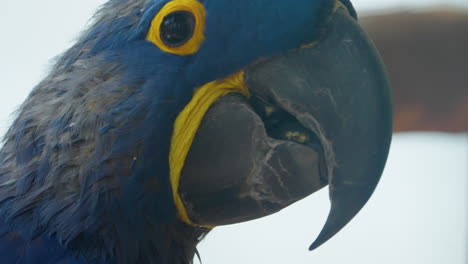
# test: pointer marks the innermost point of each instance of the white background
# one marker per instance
(417, 215)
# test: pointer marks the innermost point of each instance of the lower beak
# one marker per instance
(317, 115)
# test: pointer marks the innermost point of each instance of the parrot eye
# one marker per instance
(177, 28)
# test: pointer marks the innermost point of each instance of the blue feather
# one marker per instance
(15, 248)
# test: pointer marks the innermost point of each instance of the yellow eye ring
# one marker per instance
(170, 11)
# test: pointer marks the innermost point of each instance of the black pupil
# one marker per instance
(177, 28)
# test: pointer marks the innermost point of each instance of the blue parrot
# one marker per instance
(170, 117)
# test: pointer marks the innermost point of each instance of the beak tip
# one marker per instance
(323, 237)
(315, 245)
(345, 204)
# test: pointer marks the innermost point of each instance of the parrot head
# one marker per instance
(170, 117)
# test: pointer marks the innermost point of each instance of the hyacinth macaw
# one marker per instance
(170, 117)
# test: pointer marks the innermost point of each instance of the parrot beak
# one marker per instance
(316, 115)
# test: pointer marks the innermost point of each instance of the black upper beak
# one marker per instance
(317, 115)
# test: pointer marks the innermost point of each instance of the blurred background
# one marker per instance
(419, 212)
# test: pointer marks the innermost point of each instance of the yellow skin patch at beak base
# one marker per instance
(297, 137)
(187, 124)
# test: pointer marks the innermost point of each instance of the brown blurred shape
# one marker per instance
(426, 55)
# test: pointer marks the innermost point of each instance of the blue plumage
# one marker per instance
(84, 168)
(15, 248)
